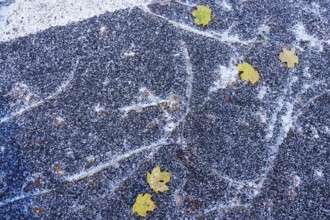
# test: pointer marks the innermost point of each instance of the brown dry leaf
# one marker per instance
(57, 169)
(36, 210)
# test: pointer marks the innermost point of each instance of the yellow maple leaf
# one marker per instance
(248, 72)
(143, 204)
(289, 57)
(157, 180)
(202, 15)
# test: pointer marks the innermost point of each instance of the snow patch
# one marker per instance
(100, 110)
(302, 35)
(305, 87)
(273, 120)
(263, 29)
(132, 54)
(106, 81)
(226, 6)
(315, 9)
(128, 55)
(170, 127)
(104, 31)
(327, 130)
(227, 76)
(262, 117)
(318, 174)
(294, 187)
(262, 92)
(315, 132)
(25, 17)
(296, 180)
(287, 120)
(306, 73)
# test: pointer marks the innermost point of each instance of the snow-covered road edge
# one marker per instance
(24, 17)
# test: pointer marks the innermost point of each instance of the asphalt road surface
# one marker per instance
(95, 94)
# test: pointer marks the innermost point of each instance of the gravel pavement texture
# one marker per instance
(89, 107)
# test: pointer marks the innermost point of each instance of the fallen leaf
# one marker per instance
(157, 180)
(57, 169)
(289, 57)
(36, 210)
(248, 72)
(202, 15)
(29, 186)
(90, 163)
(143, 204)
(37, 182)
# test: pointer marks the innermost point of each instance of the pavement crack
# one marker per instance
(223, 38)
(85, 174)
(62, 88)
(23, 196)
